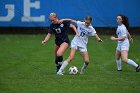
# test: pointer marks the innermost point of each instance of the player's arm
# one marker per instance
(74, 21)
(98, 38)
(46, 38)
(130, 37)
(75, 30)
(124, 34)
(70, 20)
(117, 39)
(93, 33)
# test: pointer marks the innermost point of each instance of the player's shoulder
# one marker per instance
(80, 22)
(51, 25)
(91, 27)
(65, 22)
(123, 27)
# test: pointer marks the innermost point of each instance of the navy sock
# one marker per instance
(58, 62)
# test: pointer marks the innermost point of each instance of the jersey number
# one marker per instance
(82, 34)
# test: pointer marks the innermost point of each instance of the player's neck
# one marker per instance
(120, 24)
(87, 26)
(56, 21)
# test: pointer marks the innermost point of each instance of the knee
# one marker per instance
(59, 53)
(124, 59)
(117, 57)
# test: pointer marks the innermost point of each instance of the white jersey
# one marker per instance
(84, 34)
(122, 32)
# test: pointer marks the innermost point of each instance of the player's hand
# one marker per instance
(43, 42)
(78, 34)
(60, 21)
(131, 40)
(112, 38)
(100, 40)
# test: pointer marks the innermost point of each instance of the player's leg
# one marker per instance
(124, 54)
(86, 59)
(67, 61)
(56, 58)
(60, 52)
(118, 60)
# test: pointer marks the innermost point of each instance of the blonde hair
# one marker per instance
(53, 14)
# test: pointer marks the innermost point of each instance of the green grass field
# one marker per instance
(28, 67)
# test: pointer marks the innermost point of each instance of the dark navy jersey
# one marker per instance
(60, 31)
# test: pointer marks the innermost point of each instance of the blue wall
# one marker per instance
(104, 12)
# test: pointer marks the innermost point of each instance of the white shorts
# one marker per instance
(79, 48)
(123, 46)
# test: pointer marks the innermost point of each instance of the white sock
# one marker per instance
(65, 63)
(119, 64)
(84, 66)
(131, 62)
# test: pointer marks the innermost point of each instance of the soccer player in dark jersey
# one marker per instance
(61, 37)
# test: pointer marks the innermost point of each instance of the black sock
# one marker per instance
(58, 62)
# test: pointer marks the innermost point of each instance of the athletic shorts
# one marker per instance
(58, 43)
(79, 48)
(123, 46)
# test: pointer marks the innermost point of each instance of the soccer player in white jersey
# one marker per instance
(123, 43)
(85, 30)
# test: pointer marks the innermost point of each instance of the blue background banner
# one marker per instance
(34, 13)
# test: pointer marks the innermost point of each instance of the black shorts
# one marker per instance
(58, 43)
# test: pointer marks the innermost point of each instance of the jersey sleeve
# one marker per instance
(124, 32)
(50, 29)
(79, 23)
(66, 23)
(92, 32)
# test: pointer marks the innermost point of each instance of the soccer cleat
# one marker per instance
(138, 68)
(119, 70)
(58, 70)
(63, 72)
(60, 73)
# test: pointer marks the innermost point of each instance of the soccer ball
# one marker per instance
(73, 70)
